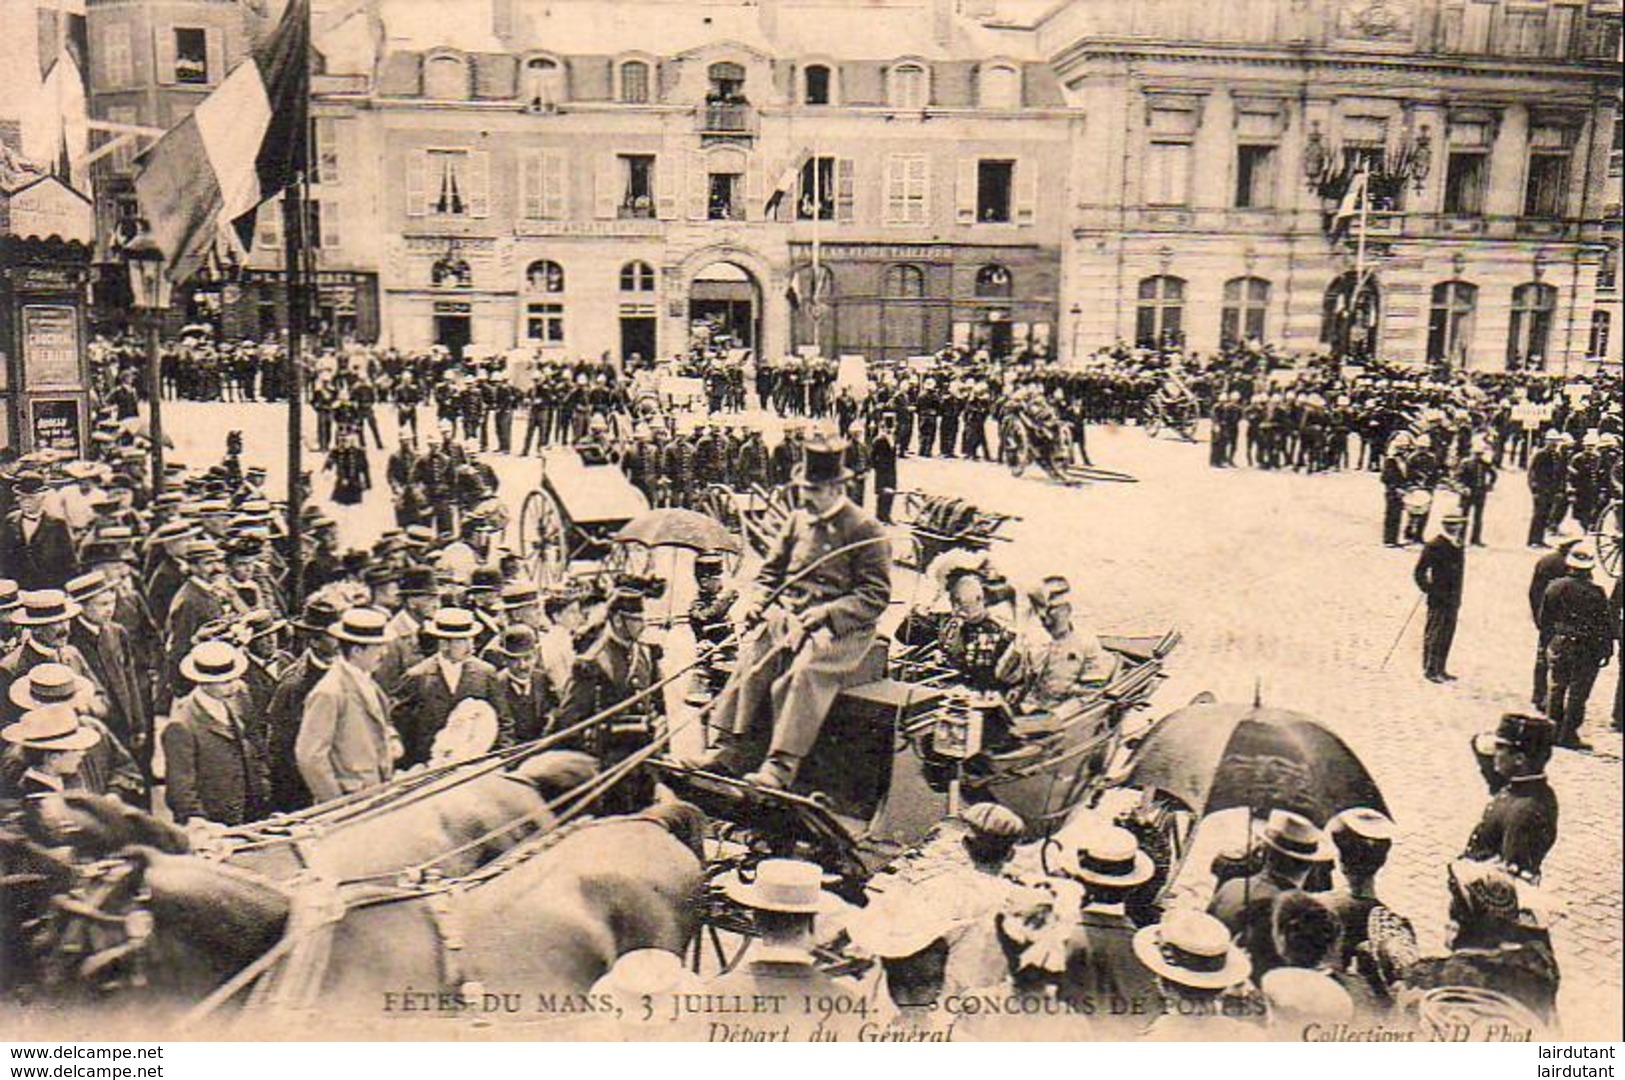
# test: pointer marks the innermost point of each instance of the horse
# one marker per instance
(545, 921)
(30, 874)
(449, 829)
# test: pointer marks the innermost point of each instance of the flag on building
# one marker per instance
(1353, 203)
(785, 183)
(242, 145)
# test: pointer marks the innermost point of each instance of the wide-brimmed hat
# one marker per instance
(1495, 893)
(453, 622)
(8, 595)
(1296, 836)
(1582, 556)
(419, 535)
(42, 607)
(44, 685)
(517, 641)
(893, 931)
(1108, 855)
(1364, 822)
(214, 662)
(362, 626)
(643, 972)
(318, 615)
(55, 727)
(1192, 948)
(86, 586)
(824, 463)
(518, 594)
(788, 885)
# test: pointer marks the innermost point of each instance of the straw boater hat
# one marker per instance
(42, 607)
(8, 596)
(214, 662)
(1108, 855)
(362, 626)
(55, 727)
(1296, 836)
(786, 885)
(894, 931)
(1581, 556)
(646, 972)
(1192, 948)
(451, 622)
(87, 586)
(45, 685)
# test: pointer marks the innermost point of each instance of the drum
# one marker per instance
(1418, 501)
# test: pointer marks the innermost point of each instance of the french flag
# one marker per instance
(242, 145)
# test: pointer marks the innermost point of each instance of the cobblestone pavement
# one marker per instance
(1278, 583)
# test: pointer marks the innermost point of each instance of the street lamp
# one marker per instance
(150, 288)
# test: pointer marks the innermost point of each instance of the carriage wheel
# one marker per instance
(717, 501)
(1606, 537)
(1017, 454)
(544, 534)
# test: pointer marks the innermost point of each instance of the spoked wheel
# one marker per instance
(1607, 539)
(544, 537)
(1015, 450)
(718, 501)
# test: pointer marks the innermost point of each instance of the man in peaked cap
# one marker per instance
(1519, 825)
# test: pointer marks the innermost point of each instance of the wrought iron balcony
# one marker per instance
(727, 119)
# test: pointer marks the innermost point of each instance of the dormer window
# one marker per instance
(542, 83)
(909, 86)
(1000, 87)
(445, 78)
(727, 84)
(818, 84)
(634, 83)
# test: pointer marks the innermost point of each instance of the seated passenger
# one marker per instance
(979, 649)
(1058, 661)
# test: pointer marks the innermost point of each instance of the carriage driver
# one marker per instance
(834, 563)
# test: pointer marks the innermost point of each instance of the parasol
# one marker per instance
(675, 527)
(1214, 756)
(141, 427)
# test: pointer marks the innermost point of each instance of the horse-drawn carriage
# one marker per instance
(573, 515)
(755, 515)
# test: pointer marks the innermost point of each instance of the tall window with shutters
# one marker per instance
(908, 189)
(637, 276)
(638, 185)
(1244, 314)
(544, 185)
(1467, 170)
(908, 86)
(541, 84)
(1546, 192)
(1170, 153)
(1450, 321)
(634, 83)
(1159, 317)
(448, 182)
(1534, 305)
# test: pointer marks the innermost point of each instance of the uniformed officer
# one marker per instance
(1439, 573)
(1519, 825)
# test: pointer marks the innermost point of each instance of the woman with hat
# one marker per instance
(1195, 964)
(214, 770)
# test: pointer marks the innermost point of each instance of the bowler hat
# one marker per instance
(418, 581)
(379, 574)
(825, 462)
(318, 615)
(517, 641)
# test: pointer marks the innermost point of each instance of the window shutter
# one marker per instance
(479, 183)
(965, 192)
(215, 55)
(331, 235)
(417, 176)
(163, 52)
(667, 185)
(896, 184)
(919, 174)
(1026, 194)
(555, 185)
(530, 185)
(753, 189)
(697, 194)
(606, 188)
(846, 188)
(268, 224)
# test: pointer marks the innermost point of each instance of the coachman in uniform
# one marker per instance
(833, 562)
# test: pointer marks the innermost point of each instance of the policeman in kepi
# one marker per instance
(831, 573)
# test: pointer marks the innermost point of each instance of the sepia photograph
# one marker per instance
(844, 521)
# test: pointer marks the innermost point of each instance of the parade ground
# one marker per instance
(1282, 590)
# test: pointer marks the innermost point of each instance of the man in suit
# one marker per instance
(615, 665)
(1439, 574)
(46, 617)
(530, 699)
(1294, 847)
(431, 688)
(883, 463)
(215, 771)
(105, 645)
(831, 571)
(345, 741)
(201, 599)
(1548, 568)
(278, 730)
(35, 548)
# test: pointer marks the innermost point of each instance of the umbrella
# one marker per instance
(141, 427)
(674, 527)
(1215, 756)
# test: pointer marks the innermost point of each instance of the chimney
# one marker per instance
(942, 22)
(768, 16)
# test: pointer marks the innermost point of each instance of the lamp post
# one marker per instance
(150, 288)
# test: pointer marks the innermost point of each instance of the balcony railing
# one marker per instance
(726, 119)
(640, 208)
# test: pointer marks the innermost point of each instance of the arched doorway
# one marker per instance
(725, 306)
(1350, 323)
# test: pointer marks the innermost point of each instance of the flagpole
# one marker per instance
(817, 253)
(295, 220)
(1359, 251)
